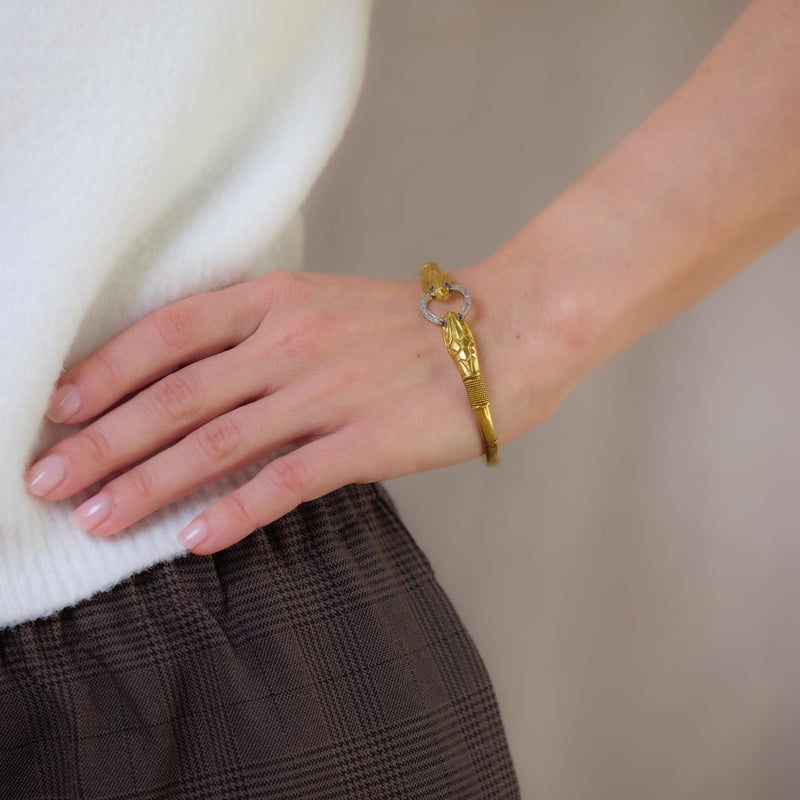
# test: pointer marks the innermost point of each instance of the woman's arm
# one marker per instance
(685, 201)
(349, 371)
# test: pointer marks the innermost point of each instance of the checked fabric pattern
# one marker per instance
(316, 659)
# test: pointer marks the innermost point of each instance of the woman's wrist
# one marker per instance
(683, 203)
(531, 352)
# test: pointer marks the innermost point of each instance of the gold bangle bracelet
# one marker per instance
(461, 345)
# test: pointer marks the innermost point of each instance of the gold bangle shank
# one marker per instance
(460, 343)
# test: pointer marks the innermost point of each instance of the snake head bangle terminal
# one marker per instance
(460, 343)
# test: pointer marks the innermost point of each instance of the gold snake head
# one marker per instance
(460, 344)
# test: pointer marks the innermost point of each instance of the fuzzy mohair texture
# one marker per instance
(148, 151)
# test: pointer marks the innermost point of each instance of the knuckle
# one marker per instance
(305, 334)
(96, 444)
(238, 507)
(219, 439)
(283, 287)
(172, 327)
(106, 365)
(374, 461)
(285, 282)
(290, 475)
(142, 482)
(176, 398)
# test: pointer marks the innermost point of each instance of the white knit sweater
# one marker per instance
(148, 151)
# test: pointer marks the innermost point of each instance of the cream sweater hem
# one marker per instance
(148, 151)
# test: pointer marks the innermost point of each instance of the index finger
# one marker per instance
(185, 331)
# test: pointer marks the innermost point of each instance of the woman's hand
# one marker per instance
(345, 368)
(349, 371)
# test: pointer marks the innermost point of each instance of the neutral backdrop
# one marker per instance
(630, 571)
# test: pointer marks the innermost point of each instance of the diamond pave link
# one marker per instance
(429, 315)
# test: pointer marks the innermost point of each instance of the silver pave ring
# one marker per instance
(429, 315)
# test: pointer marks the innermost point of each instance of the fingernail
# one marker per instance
(90, 514)
(46, 474)
(193, 535)
(65, 402)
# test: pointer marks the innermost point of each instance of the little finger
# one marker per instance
(304, 474)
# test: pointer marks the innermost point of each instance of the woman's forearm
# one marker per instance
(349, 372)
(685, 201)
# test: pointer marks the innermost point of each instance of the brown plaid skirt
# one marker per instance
(318, 658)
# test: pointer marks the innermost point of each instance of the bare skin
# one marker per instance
(349, 371)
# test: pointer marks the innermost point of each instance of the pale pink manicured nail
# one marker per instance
(65, 402)
(46, 474)
(90, 514)
(194, 534)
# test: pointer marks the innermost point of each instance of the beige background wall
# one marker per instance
(630, 573)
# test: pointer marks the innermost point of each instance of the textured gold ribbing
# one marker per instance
(476, 391)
